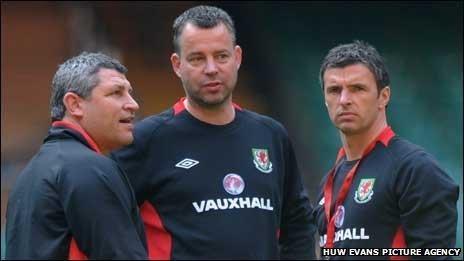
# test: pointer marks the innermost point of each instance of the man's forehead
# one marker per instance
(119, 78)
(351, 72)
(193, 32)
(120, 82)
(113, 76)
(192, 26)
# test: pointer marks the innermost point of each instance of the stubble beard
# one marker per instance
(204, 102)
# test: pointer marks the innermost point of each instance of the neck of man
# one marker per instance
(71, 120)
(216, 115)
(355, 144)
(77, 124)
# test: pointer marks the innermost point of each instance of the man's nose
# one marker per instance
(211, 66)
(345, 97)
(131, 104)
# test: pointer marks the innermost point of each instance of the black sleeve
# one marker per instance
(297, 225)
(427, 199)
(100, 211)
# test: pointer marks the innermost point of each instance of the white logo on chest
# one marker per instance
(187, 163)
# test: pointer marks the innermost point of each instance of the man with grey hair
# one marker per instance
(383, 192)
(71, 201)
(216, 181)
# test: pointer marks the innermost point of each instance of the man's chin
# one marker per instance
(211, 102)
(126, 140)
(348, 129)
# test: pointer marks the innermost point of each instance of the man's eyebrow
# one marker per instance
(194, 53)
(222, 51)
(358, 84)
(122, 86)
(119, 86)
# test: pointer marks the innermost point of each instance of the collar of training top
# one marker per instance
(68, 125)
(179, 106)
(384, 137)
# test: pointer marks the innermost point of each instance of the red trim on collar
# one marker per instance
(66, 124)
(179, 106)
(159, 240)
(236, 106)
(384, 137)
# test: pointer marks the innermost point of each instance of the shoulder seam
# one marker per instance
(162, 123)
(400, 160)
(264, 122)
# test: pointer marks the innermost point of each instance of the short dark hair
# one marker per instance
(358, 52)
(79, 75)
(204, 17)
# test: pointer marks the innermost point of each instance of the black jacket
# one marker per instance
(69, 191)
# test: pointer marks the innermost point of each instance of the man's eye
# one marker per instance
(195, 59)
(117, 93)
(222, 57)
(333, 90)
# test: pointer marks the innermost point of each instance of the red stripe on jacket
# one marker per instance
(159, 241)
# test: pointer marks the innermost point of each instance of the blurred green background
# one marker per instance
(284, 44)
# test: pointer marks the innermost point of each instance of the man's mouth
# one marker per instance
(347, 114)
(127, 120)
(214, 84)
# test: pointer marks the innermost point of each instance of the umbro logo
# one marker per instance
(187, 163)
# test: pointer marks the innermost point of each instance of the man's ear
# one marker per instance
(175, 62)
(384, 97)
(238, 55)
(73, 104)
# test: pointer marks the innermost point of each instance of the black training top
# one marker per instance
(399, 197)
(218, 191)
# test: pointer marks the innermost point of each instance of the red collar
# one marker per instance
(66, 124)
(384, 137)
(179, 106)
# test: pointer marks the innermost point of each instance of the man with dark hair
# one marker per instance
(71, 201)
(216, 181)
(383, 190)
(203, 17)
